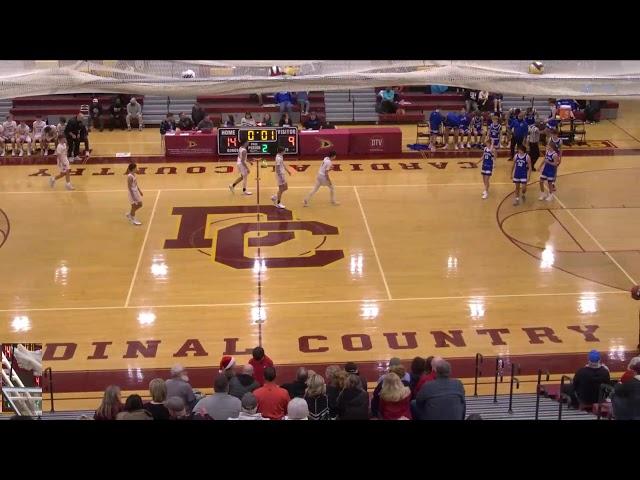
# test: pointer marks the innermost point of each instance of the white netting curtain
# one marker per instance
(574, 79)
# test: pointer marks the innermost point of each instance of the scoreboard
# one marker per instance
(262, 140)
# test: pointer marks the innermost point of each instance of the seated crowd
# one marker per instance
(252, 392)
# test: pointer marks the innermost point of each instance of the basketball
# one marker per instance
(188, 74)
(275, 71)
(536, 68)
(635, 292)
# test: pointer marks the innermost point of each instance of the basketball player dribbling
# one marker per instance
(280, 170)
(549, 172)
(521, 172)
(243, 168)
(135, 194)
(323, 180)
(63, 163)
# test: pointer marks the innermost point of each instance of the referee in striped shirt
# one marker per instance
(533, 144)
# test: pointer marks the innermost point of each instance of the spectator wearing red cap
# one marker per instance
(226, 366)
(272, 399)
(259, 362)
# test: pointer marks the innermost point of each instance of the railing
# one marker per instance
(515, 368)
(499, 372)
(48, 373)
(479, 360)
(538, 389)
(563, 396)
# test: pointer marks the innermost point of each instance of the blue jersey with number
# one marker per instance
(530, 119)
(487, 161)
(522, 167)
(557, 142)
(463, 122)
(477, 124)
(435, 120)
(549, 171)
(552, 123)
(494, 130)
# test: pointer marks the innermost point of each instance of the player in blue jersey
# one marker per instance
(464, 120)
(531, 116)
(435, 123)
(521, 172)
(555, 140)
(476, 130)
(451, 126)
(549, 172)
(488, 159)
(494, 131)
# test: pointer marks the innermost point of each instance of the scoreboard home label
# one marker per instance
(264, 140)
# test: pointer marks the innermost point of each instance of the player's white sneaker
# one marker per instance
(135, 221)
(446, 147)
(20, 153)
(543, 196)
(2, 153)
(140, 128)
(231, 187)
(485, 194)
(432, 148)
(549, 197)
(29, 152)
(68, 186)
(279, 205)
(274, 198)
(52, 182)
(516, 201)
(305, 202)
(129, 129)
(468, 145)
(456, 147)
(246, 192)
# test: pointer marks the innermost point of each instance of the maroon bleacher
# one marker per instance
(250, 103)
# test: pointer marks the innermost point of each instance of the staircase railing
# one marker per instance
(515, 368)
(538, 389)
(563, 396)
(499, 372)
(479, 360)
(48, 374)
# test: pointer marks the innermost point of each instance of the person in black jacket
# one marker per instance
(184, 122)
(313, 122)
(587, 380)
(95, 114)
(352, 368)
(84, 138)
(626, 398)
(117, 112)
(168, 124)
(353, 402)
(72, 132)
(299, 386)
(197, 114)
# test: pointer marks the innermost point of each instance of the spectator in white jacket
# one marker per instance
(134, 110)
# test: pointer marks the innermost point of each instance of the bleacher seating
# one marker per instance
(249, 103)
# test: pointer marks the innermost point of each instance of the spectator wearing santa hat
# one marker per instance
(226, 366)
(259, 362)
(243, 383)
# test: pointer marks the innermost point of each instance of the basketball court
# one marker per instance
(413, 262)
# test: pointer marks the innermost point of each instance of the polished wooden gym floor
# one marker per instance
(413, 262)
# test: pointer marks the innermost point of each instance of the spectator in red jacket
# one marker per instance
(259, 362)
(429, 374)
(272, 399)
(395, 398)
(632, 370)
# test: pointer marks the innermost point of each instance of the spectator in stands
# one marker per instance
(84, 138)
(352, 368)
(312, 123)
(553, 107)
(168, 125)
(220, 405)
(134, 410)
(396, 368)
(335, 380)
(284, 101)
(418, 367)
(134, 110)
(206, 124)
(302, 98)
(297, 409)
(626, 397)
(474, 416)
(197, 114)
(184, 122)
(587, 380)
(471, 99)
(316, 397)
(429, 374)
(483, 101)
(176, 408)
(259, 362)
(230, 121)
(272, 399)
(442, 398)
(285, 120)
(353, 401)
(227, 364)
(72, 132)
(95, 115)
(497, 104)
(633, 369)
(299, 385)
(247, 120)
(178, 386)
(395, 397)
(327, 125)
(387, 103)
(592, 110)
(156, 406)
(533, 144)
(249, 409)
(243, 383)
(111, 404)
(117, 114)
(266, 120)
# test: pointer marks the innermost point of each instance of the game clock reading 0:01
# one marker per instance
(262, 140)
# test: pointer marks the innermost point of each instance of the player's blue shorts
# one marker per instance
(496, 141)
(548, 173)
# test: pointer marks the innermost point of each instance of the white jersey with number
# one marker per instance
(280, 170)
(10, 128)
(242, 155)
(38, 128)
(61, 153)
(133, 190)
(23, 130)
(325, 167)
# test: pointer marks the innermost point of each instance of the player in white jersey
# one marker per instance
(10, 127)
(23, 137)
(49, 135)
(135, 194)
(323, 179)
(63, 163)
(280, 170)
(243, 168)
(38, 130)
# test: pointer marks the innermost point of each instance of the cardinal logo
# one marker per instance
(324, 144)
(192, 144)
